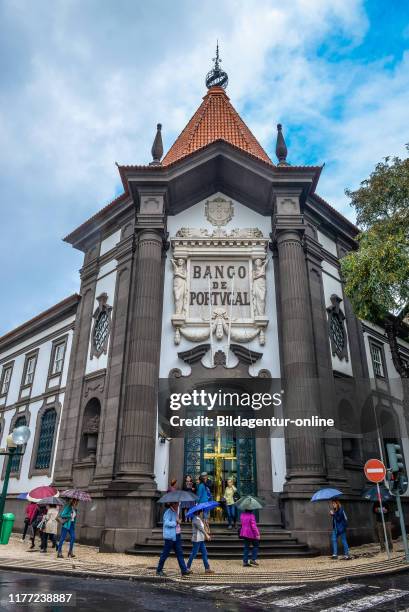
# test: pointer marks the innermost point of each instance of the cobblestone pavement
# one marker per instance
(88, 561)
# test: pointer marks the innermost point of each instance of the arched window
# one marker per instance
(16, 459)
(46, 439)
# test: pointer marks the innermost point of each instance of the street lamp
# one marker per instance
(17, 438)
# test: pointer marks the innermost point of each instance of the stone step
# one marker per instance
(264, 553)
(230, 537)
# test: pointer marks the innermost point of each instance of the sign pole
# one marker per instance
(383, 520)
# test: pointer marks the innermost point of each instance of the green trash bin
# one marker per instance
(6, 527)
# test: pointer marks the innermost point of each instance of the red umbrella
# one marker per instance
(40, 492)
(76, 494)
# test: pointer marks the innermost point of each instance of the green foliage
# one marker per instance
(377, 274)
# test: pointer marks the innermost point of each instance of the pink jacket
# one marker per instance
(249, 527)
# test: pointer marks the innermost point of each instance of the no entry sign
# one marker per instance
(375, 470)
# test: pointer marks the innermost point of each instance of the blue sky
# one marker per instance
(83, 85)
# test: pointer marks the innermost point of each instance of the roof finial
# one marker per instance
(281, 147)
(216, 76)
(157, 147)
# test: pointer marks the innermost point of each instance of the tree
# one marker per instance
(376, 275)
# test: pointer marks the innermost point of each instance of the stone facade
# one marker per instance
(221, 206)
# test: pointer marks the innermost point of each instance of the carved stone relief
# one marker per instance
(219, 285)
(102, 326)
(219, 211)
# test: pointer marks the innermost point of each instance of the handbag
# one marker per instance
(236, 496)
(60, 520)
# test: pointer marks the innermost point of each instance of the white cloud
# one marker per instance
(85, 84)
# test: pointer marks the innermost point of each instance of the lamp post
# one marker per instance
(18, 437)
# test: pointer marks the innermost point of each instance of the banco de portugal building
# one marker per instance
(216, 262)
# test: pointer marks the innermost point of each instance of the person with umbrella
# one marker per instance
(172, 537)
(249, 530)
(200, 534)
(30, 511)
(378, 510)
(50, 524)
(68, 519)
(339, 529)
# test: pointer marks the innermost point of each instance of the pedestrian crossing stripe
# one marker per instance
(276, 588)
(294, 602)
(211, 587)
(369, 601)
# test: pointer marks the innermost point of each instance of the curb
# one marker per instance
(200, 579)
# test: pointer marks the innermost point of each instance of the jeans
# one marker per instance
(44, 539)
(246, 550)
(231, 514)
(64, 531)
(334, 539)
(198, 546)
(381, 535)
(176, 546)
(26, 526)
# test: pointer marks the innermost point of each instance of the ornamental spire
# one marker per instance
(157, 147)
(217, 77)
(281, 147)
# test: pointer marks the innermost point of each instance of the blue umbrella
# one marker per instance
(204, 506)
(325, 494)
(22, 496)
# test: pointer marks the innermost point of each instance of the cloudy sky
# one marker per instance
(83, 84)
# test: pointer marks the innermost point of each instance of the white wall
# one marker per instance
(194, 217)
(23, 483)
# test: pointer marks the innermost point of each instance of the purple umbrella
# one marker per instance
(76, 494)
(209, 505)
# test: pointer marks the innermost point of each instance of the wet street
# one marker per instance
(383, 594)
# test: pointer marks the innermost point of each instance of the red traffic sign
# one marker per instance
(375, 470)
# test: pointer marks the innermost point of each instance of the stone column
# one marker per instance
(138, 419)
(329, 402)
(305, 457)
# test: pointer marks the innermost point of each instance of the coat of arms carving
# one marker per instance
(219, 211)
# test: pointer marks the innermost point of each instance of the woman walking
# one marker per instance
(49, 531)
(199, 535)
(339, 529)
(31, 510)
(189, 486)
(36, 522)
(230, 494)
(251, 536)
(68, 518)
(173, 540)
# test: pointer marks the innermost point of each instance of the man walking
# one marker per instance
(173, 540)
(386, 511)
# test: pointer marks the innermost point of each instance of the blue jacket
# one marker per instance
(202, 493)
(339, 521)
(169, 525)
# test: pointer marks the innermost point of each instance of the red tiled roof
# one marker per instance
(215, 119)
